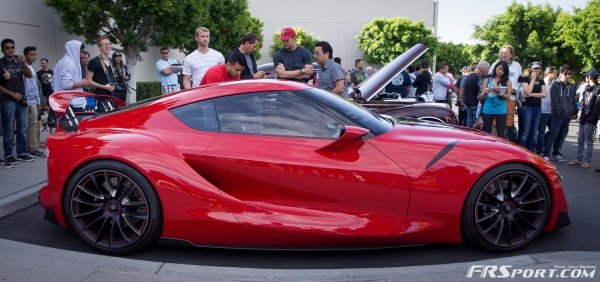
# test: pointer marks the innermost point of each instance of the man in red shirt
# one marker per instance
(230, 71)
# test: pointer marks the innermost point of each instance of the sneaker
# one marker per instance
(37, 154)
(11, 160)
(25, 157)
(597, 170)
(575, 162)
(560, 158)
(586, 165)
(5, 164)
(547, 159)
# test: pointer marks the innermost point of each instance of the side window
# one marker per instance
(274, 113)
(199, 115)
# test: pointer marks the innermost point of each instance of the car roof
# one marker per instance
(229, 88)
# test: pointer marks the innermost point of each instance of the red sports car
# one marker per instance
(275, 164)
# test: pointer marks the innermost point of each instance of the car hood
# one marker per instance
(435, 132)
(367, 89)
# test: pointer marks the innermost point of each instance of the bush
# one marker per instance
(383, 39)
(147, 89)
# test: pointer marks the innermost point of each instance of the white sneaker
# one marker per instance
(559, 158)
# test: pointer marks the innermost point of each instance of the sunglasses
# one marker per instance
(164, 53)
(9, 47)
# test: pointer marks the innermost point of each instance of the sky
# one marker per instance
(458, 17)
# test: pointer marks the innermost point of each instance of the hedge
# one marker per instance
(147, 89)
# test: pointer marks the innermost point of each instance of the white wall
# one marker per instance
(31, 23)
(336, 21)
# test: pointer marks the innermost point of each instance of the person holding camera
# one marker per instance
(100, 70)
(13, 103)
(121, 76)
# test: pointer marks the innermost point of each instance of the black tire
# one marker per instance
(113, 208)
(499, 221)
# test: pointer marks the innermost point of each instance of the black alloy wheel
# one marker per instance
(113, 208)
(507, 208)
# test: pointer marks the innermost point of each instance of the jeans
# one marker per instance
(559, 128)
(12, 110)
(585, 142)
(529, 120)
(500, 123)
(542, 133)
(471, 114)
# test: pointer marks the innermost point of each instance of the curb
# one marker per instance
(95, 265)
(20, 200)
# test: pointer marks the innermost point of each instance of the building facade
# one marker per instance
(31, 23)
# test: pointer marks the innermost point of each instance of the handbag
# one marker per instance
(478, 124)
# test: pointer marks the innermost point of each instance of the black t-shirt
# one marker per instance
(534, 102)
(250, 68)
(422, 82)
(100, 75)
(15, 83)
(292, 60)
(472, 89)
(45, 78)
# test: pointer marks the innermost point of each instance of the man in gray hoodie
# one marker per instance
(562, 97)
(67, 72)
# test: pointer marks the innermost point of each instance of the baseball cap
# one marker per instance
(118, 54)
(535, 65)
(593, 73)
(286, 33)
(424, 63)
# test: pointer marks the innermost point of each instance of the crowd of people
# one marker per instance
(24, 92)
(488, 97)
(545, 103)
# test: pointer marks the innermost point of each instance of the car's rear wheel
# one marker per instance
(507, 208)
(113, 208)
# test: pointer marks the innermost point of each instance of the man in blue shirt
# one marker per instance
(331, 75)
(168, 78)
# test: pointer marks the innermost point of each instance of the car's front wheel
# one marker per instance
(113, 208)
(507, 208)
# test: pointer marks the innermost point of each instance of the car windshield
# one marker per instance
(361, 116)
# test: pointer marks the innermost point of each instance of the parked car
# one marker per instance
(370, 93)
(280, 164)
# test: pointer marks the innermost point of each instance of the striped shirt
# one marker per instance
(196, 64)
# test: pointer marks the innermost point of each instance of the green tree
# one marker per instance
(383, 39)
(455, 55)
(228, 22)
(136, 25)
(303, 38)
(528, 28)
(581, 34)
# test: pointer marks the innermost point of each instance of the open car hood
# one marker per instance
(375, 83)
(60, 101)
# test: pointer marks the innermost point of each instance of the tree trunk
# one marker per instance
(132, 54)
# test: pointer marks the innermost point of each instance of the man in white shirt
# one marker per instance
(441, 83)
(198, 62)
(507, 54)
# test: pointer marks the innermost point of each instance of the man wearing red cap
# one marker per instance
(292, 62)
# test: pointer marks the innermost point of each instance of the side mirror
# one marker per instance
(350, 135)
